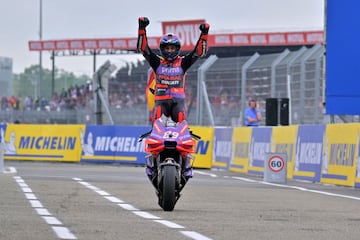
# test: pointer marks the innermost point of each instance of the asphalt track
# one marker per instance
(45, 201)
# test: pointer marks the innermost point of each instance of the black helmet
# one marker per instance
(170, 39)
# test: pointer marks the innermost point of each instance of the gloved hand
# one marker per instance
(143, 22)
(204, 28)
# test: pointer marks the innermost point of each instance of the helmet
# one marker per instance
(170, 39)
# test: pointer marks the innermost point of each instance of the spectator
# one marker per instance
(28, 103)
(252, 114)
(12, 101)
(4, 103)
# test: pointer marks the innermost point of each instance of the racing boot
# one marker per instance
(151, 170)
(188, 171)
(149, 166)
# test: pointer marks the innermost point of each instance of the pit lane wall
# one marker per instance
(317, 153)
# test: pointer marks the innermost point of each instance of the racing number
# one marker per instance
(170, 134)
(276, 163)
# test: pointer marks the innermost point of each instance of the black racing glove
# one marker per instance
(204, 28)
(143, 22)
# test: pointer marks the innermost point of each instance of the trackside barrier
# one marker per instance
(318, 153)
(2, 150)
(2, 147)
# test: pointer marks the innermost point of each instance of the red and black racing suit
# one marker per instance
(170, 77)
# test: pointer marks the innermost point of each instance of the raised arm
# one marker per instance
(142, 44)
(200, 49)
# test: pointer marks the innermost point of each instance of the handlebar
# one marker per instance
(197, 137)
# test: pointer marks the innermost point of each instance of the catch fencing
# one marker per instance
(231, 82)
(218, 89)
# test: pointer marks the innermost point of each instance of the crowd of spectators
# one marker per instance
(126, 89)
(223, 84)
(73, 98)
(126, 94)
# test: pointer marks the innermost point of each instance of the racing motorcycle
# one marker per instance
(169, 146)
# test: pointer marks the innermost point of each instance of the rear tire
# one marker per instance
(169, 187)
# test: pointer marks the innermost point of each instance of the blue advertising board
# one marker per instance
(222, 147)
(259, 146)
(342, 53)
(2, 132)
(309, 155)
(113, 144)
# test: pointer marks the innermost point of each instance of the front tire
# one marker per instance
(169, 187)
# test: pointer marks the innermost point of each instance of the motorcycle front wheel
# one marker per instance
(169, 187)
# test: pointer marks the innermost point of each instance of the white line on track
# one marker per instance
(42, 211)
(245, 179)
(114, 199)
(10, 170)
(51, 220)
(205, 173)
(36, 204)
(169, 224)
(128, 207)
(298, 188)
(26, 190)
(23, 185)
(61, 232)
(287, 186)
(102, 193)
(195, 235)
(30, 196)
(143, 214)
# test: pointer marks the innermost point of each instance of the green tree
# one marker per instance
(65, 80)
(25, 84)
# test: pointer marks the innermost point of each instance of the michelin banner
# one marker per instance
(357, 177)
(309, 156)
(41, 142)
(2, 136)
(202, 158)
(112, 144)
(284, 141)
(259, 145)
(88, 143)
(222, 147)
(340, 154)
(241, 149)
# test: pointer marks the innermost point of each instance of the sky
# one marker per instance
(74, 19)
